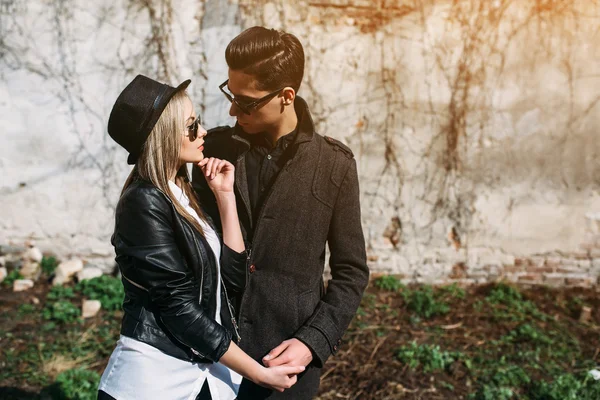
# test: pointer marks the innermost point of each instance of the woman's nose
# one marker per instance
(202, 132)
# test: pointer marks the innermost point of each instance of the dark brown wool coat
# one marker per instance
(313, 201)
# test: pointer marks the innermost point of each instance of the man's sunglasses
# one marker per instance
(193, 129)
(246, 107)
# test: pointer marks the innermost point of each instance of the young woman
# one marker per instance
(178, 335)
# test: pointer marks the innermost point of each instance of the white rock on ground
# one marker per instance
(586, 314)
(90, 308)
(66, 270)
(30, 270)
(22, 284)
(3, 273)
(88, 273)
(33, 254)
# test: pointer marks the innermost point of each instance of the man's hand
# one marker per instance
(290, 352)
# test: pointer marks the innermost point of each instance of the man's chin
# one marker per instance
(249, 129)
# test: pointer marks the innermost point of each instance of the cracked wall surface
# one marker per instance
(474, 124)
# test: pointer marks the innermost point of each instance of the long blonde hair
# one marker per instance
(160, 156)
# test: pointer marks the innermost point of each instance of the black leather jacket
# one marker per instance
(169, 275)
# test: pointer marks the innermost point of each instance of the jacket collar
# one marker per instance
(179, 195)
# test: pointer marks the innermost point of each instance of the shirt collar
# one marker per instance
(179, 195)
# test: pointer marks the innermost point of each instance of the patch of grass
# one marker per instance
(508, 304)
(78, 384)
(109, 290)
(452, 291)
(424, 303)
(492, 392)
(11, 277)
(566, 387)
(61, 311)
(528, 333)
(60, 293)
(429, 357)
(389, 283)
(49, 265)
(26, 309)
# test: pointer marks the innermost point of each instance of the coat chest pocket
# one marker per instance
(329, 174)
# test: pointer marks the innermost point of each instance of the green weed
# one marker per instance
(429, 357)
(49, 265)
(61, 311)
(11, 277)
(109, 290)
(566, 387)
(389, 283)
(78, 384)
(423, 303)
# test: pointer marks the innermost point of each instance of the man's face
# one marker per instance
(265, 116)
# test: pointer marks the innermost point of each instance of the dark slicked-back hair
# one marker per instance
(274, 58)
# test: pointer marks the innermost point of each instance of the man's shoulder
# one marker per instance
(336, 145)
(219, 143)
(218, 133)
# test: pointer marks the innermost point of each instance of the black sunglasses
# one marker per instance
(247, 108)
(193, 129)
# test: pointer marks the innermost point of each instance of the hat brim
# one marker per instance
(158, 110)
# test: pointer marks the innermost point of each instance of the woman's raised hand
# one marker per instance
(219, 174)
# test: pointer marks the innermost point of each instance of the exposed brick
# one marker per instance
(584, 263)
(541, 269)
(580, 281)
(567, 261)
(520, 261)
(459, 271)
(512, 269)
(570, 270)
(530, 278)
(554, 280)
(537, 261)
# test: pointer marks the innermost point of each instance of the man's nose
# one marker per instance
(234, 110)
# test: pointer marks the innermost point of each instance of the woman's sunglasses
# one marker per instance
(193, 129)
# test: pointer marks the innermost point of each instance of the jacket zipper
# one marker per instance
(233, 320)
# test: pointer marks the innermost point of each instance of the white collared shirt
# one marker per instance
(137, 370)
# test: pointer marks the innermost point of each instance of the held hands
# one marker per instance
(285, 362)
(279, 378)
(289, 352)
(219, 174)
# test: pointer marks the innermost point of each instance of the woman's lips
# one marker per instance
(201, 148)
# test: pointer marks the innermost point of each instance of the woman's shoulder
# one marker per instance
(141, 194)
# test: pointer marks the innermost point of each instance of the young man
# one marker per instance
(296, 191)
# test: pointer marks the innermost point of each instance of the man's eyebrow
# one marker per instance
(241, 96)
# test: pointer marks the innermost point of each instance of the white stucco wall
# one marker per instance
(516, 88)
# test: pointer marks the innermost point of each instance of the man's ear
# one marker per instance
(288, 95)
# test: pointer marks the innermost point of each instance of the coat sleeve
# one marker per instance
(145, 235)
(349, 274)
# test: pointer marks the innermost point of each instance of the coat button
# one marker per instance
(252, 268)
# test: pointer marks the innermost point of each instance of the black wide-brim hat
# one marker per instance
(137, 110)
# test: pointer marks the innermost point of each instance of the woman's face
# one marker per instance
(191, 148)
